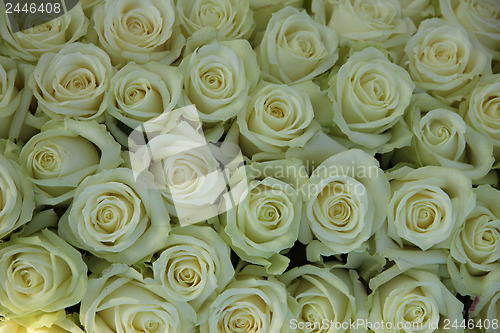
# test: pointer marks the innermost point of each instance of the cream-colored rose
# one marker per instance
(475, 249)
(295, 48)
(137, 30)
(251, 303)
(218, 78)
(481, 108)
(139, 93)
(445, 60)
(441, 137)
(267, 220)
(375, 21)
(413, 301)
(71, 83)
(345, 201)
(428, 205)
(40, 274)
(64, 326)
(232, 18)
(116, 218)
(331, 297)
(481, 17)
(41, 35)
(63, 154)
(122, 301)
(16, 192)
(185, 171)
(195, 264)
(277, 117)
(370, 95)
(15, 98)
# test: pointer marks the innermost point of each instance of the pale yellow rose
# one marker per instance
(441, 137)
(267, 219)
(40, 274)
(413, 301)
(139, 93)
(63, 154)
(480, 109)
(475, 249)
(445, 60)
(295, 48)
(195, 264)
(42, 35)
(72, 83)
(481, 17)
(370, 95)
(218, 78)
(116, 218)
(428, 205)
(277, 117)
(329, 297)
(232, 18)
(120, 300)
(251, 303)
(137, 30)
(345, 203)
(418, 10)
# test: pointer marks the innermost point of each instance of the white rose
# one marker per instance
(370, 95)
(16, 192)
(251, 303)
(263, 10)
(139, 93)
(414, 299)
(71, 83)
(40, 274)
(115, 218)
(295, 48)
(39, 35)
(485, 309)
(137, 30)
(277, 117)
(375, 21)
(195, 264)
(445, 60)
(15, 98)
(63, 154)
(334, 296)
(345, 201)
(428, 205)
(481, 17)
(64, 326)
(218, 78)
(267, 220)
(441, 137)
(122, 301)
(232, 18)
(88, 6)
(475, 249)
(185, 171)
(417, 10)
(480, 109)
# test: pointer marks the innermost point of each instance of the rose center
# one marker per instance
(46, 159)
(210, 15)
(485, 9)
(139, 26)
(491, 107)
(414, 312)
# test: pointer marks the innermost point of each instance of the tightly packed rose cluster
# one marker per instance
(250, 166)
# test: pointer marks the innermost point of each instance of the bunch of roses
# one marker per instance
(370, 131)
